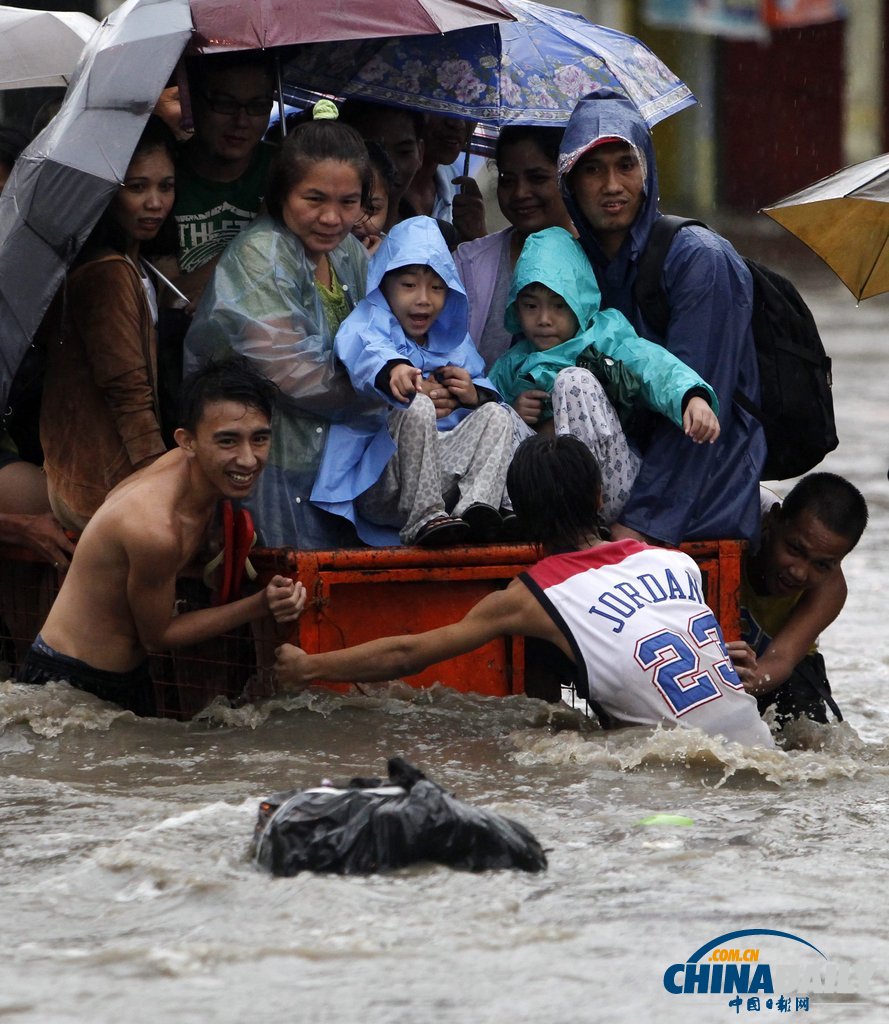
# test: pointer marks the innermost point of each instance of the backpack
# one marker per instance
(796, 404)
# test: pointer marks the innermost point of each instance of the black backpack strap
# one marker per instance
(647, 289)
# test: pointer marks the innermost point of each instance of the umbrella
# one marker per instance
(40, 48)
(228, 25)
(531, 71)
(63, 181)
(844, 218)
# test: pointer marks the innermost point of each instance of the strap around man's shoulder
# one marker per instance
(647, 291)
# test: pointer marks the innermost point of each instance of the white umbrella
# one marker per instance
(40, 48)
(64, 180)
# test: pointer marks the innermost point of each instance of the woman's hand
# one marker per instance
(459, 385)
(445, 403)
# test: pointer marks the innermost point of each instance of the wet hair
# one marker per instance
(46, 112)
(199, 67)
(232, 379)
(546, 137)
(356, 112)
(309, 144)
(107, 233)
(555, 486)
(832, 500)
(381, 164)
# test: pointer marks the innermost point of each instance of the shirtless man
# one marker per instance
(117, 601)
(646, 648)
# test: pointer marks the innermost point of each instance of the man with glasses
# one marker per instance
(222, 172)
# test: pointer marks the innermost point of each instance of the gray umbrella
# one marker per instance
(63, 181)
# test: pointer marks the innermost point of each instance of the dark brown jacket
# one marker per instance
(99, 418)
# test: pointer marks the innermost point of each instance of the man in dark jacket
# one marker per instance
(609, 179)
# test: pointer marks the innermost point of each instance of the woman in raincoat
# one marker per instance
(542, 379)
(278, 295)
(469, 477)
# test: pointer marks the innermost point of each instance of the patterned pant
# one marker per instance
(581, 408)
(433, 472)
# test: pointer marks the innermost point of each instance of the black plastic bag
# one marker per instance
(370, 826)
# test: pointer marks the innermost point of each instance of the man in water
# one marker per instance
(645, 646)
(792, 589)
(117, 601)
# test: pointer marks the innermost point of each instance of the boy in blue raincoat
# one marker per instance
(553, 308)
(416, 470)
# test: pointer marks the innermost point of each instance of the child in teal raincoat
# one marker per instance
(554, 310)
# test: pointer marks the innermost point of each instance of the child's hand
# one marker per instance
(529, 405)
(699, 421)
(371, 243)
(404, 382)
(459, 385)
(285, 598)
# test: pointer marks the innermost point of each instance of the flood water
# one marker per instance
(128, 894)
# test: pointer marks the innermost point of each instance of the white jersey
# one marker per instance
(647, 646)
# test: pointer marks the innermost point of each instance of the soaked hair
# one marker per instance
(555, 486)
(309, 144)
(832, 500)
(232, 379)
(545, 137)
(198, 68)
(12, 142)
(356, 112)
(108, 234)
(381, 164)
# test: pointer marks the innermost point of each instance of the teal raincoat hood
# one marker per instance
(556, 259)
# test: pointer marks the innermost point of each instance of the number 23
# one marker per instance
(676, 664)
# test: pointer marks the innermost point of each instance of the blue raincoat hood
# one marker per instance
(418, 240)
(606, 115)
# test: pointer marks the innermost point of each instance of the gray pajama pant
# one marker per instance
(435, 472)
(581, 408)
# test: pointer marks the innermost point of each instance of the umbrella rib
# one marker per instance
(873, 267)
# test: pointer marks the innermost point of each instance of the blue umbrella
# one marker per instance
(531, 71)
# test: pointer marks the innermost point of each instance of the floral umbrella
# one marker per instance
(531, 71)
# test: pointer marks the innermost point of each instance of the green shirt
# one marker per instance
(209, 214)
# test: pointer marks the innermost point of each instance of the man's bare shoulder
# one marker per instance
(140, 518)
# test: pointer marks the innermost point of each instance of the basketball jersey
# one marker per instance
(648, 648)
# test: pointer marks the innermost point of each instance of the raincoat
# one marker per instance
(262, 302)
(555, 259)
(683, 491)
(358, 450)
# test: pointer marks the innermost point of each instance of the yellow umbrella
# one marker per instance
(844, 218)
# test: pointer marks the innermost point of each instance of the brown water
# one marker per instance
(128, 894)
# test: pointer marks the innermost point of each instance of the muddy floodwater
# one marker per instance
(128, 894)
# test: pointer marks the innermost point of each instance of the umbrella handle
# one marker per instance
(465, 165)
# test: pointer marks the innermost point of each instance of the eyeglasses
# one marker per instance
(229, 106)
